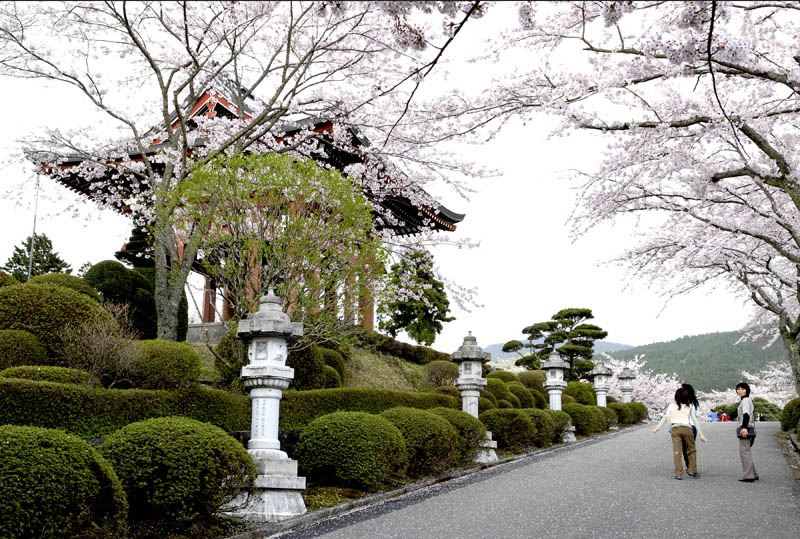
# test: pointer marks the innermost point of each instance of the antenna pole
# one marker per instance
(33, 235)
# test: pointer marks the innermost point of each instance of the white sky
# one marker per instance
(525, 269)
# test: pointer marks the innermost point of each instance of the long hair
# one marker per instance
(681, 397)
(692, 395)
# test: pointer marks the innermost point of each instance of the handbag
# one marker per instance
(751, 432)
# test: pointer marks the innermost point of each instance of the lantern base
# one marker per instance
(569, 435)
(486, 452)
(275, 494)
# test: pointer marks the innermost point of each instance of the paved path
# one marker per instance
(619, 486)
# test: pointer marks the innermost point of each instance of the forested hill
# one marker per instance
(711, 361)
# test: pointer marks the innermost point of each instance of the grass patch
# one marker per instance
(322, 497)
(208, 372)
(373, 369)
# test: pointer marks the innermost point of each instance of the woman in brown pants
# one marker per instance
(681, 430)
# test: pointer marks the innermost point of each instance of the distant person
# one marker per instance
(712, 416)
(746, 432)
(693, 421)
(681, 432)
(760, 416)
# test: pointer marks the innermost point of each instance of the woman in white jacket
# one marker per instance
(681, 431)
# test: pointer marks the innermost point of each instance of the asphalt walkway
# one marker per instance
(619, 486)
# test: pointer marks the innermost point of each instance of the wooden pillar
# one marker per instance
(349, 301)
(227, 307)
(209, 301)
(366, 305)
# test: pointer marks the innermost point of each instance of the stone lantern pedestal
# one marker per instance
(554, 383)
(626, 378)
(470, 383)
(601, 378)
(276, 492)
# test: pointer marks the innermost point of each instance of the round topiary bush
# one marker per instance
(561, 420)
(567, 398)
(471, 432)
(53, 484)
(45, 310)
(533, 379)
(334, 359)
(175, 469)
(61, 375)
(540, 399)
(609, 418)
(441, 373)
(448, 390)
(503, 403)
(19, 347)
(624, 414)
(112, 279)
(72, 282)
(500, 390)
(639, 411)
(308, 368)
(523, 394)
(332, 378)
(485, 404)
(512, 428)
(545, 426)
(582, 392)
(488, 395)
(431, 441)
(352, 449)
(791, 414)
(583, 418)
(7, 280)
(505, 376)
(164, 364)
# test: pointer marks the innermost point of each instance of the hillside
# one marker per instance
(711, 361)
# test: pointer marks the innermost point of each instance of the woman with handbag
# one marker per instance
(681, 431)
(746, 432)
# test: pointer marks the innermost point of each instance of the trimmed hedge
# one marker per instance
(333, 359)
(522, 393)
(352, 449)
(560, 421)
(62, 375)
(164, 364)
(485, 404)
(7, 280)
(488, 395)
(45, 310)
(540, 399)
(53, 484)
(771, 412)
(533, 379)
(448, 390)
(512, 428)
(20, 347)
(585, 419)
(92, 412)
(611, 418)
(332, 378)
(505, 376)
(639, 411)
(431, 441)
(582, 392)
(791, 414)
(500, 390)
(175, 469)
(545, 426)
(624, 414)
(72, 282)
(503, 403)
(299, 408)
(471, 432)
(309, 368)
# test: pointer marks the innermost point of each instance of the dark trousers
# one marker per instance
(685, 449)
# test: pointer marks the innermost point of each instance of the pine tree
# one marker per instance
(44, 259)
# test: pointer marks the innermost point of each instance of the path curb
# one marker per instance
(271, 528)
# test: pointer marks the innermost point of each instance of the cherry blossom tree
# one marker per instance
(697, 106)
(773, 383)
(656, 391)
(142, 65)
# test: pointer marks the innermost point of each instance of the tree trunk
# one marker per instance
(792, 345)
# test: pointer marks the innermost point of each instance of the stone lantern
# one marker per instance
(601, 378)
(554, 382)
(470, 358)
(626, 378)
(276, 491)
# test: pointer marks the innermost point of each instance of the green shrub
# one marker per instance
(639, 411)
(7, 280)
(485, 404)
(771, 412)
(545, 426)
(230, 357)
(177, 469)
(91, 412)
(61, 375)
(332, 378)
(66, 280)
(582, 392)
(112, 279)
(505, 376)
(471, 432)
(522, 393)
(624, 414)
(448, 390)
(500, 390)
(561, 420)
(441, 373)
(45, 310)
(791, 414)
(334, 359)
(566, 399)
(431, 441)
(503, 403)
(164, 364)
(540, 399)
(53, 484)
(20, 347)
(309, 371)
(583, 417)
(352, 449)
(610, 419)
(512, 428)
(299, 408)
(533, 380)
(488, 395)
(610, 399)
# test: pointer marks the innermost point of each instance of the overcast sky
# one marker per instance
(525, 269)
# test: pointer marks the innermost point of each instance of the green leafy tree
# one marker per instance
(566, 332)
(44, 259)
(416, 300)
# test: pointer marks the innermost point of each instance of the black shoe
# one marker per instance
(690, 474)
(679, 477)
(756, 478)
(747, 480)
